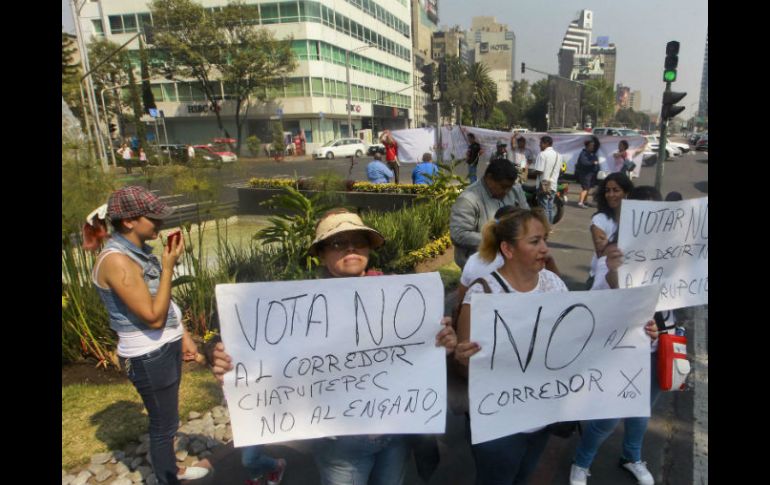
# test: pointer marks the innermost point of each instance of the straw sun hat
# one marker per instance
(338, 222)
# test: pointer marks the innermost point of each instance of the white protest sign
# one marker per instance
(549, 357)
(335, 356)
(667, 245)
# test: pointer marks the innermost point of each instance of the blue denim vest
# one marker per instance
(121, 318)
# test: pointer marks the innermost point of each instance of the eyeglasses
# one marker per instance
(344, 243)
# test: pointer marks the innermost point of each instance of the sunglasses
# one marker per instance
(339, 244)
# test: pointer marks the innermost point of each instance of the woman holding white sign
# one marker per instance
(342, 244)
(595, 432)
(609, 194)
(521, 239)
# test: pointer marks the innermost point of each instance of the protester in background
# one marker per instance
(343, 244)
(595, 432)
(190, 153)
(142, 157)
(152, 341)
(624, 159)
(501, 152)
(127, 154)
(472, 157)
(604, 223)
(377, 172)
(520, 237)
(523, 157)
(477, 204)
(424, 172)
(547, 166)
(586, 168)
(391, 153)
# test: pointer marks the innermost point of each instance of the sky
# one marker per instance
(639, 29)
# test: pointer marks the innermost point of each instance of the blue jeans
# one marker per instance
(510, 459)
(256, 461)
(546, 202)
(156, 377)
(596, 431)
(472, 172)
(362, 459)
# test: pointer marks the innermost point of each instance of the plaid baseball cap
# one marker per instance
(135, 201)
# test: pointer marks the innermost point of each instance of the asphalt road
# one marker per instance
(672, 453)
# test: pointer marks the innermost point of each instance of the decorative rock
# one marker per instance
(145, 438)
(219, 432)
(204, 454)
(96, 469)
(135, 477)
(67, 479)
(117, 456)
(193, 415)
(221, 419)
(122, 481)
(63, 473)
(228, 434)
(142, 449)
(208, 415)
(121, 469)
(145, 471)
(197, 446)
(181, 443)
(101, 458)
(181, 455)
(136, 462)
(151, 480)
(104, 475)
(82, 478)
(130, 449)
(211, 443)
(148, 457)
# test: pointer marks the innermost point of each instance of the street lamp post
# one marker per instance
(350, 93)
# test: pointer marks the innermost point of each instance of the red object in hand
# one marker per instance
(673, 365)
(174, 236)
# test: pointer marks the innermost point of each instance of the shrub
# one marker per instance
(254, 144)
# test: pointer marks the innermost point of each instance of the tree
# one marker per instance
(210, 46)
(521, 99)
(70, 76)
(598, 100)
(483, 92)
(535, 114)
(509, 111)
(458, 85)
(496, 120)
(148, 99)
(113, 72)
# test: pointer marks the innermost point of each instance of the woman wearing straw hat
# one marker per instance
(343, 243)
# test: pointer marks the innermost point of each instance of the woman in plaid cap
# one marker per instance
(152, 341)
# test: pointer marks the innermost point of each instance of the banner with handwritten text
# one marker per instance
(666, 244)
(550, 357)
(335, 356)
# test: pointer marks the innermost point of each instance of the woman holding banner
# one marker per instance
(595, 432)
(520, 237)
(342, 244)
(609, 194)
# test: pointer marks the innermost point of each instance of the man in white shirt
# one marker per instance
(547, 167)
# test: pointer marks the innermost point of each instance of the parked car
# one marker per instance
(652, 149)
(610, 131)
(177, 152)
(344, 147)
(703, 142)
(207, 154)
(376, 148)
(212, 152)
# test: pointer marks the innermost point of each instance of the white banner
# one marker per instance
(336, 356)
(551, 357)
(666, 244)
(412, 143)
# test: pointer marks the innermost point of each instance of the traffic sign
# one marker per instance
(154, 112)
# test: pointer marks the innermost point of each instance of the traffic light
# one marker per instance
(428, 79)
(442, 77)
(670, 98)
(522, 68)
(672, 59)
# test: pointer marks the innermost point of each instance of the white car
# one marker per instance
(344, 147)
(652, 148)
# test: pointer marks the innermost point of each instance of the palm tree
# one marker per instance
(483, 95)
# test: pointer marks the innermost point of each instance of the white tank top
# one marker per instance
(134, 344)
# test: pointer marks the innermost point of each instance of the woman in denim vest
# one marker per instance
(152, 342)
(342, 244)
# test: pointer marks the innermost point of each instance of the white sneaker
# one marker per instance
(193, 473)
(639, 471)
(578, 475)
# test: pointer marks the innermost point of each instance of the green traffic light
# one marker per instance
(669, 76)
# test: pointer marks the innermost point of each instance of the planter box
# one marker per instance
(249, 200)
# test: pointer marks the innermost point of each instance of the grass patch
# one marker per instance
(450, 275)
(100, 418)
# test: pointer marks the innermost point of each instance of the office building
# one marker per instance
(424, 26)
(495, 46)
(703, 102)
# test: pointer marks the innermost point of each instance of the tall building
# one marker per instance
(635, 101)
(603, 56)
(575, 52)
(703, 102)
(451, 42)
(622, 97)
(424, 26)
(495, 46)
(377, 36)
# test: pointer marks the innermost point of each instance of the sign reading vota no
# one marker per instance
(337, 356)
